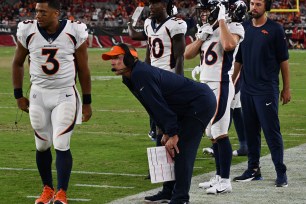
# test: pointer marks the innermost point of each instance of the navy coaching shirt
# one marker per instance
(168, 97)
(261, 52)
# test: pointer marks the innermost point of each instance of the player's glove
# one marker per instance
(197, 70)
(204, 31)
(221, 14)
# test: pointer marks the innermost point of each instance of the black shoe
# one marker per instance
(152, 135)
(249, 175)
(281, 181)
(160, 197)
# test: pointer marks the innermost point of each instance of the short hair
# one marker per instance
(55, 4)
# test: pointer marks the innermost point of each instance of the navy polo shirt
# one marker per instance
(261, 52)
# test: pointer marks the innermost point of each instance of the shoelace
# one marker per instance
(61, 195)
(47, 193)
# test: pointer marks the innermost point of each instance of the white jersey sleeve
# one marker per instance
(79, 31)
(179, 26)
(237, 28)
(24, 29)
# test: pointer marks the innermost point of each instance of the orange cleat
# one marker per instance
(46, 196)
(60, 197)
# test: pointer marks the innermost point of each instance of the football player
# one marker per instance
(57, 54)
(217, 43)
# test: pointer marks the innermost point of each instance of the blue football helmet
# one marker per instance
(237, 11)
(213, 7)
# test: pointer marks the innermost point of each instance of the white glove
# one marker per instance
(204, 31)
(221, 14)
(197, 70)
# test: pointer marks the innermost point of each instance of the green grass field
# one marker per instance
(109, 151)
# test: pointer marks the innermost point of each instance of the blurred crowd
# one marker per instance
(115, 13)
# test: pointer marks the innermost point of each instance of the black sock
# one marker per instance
(44, 162)
(63, 166)
(216, 154)
(225, 156)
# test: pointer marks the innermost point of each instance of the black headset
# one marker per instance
(128, 59)
(268, 5)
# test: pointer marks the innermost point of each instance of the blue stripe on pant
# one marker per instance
(262, 112)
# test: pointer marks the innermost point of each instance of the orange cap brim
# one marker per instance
(116, 50)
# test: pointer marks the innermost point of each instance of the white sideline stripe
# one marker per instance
(111, 133)
(120, 111)
(72, 199)
(93, 78)
(103, 186)
(7, 107)
(296, 134)
(300, 129)
(78, 172)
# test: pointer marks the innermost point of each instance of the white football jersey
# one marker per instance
(160, 41)
(52, 61)
(216, 64)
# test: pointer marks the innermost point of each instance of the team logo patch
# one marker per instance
(265, 32)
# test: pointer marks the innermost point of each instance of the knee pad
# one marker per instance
(66, 113)
(37, 117)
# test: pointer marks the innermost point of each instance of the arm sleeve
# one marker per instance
(237, 28)
(281, 45)
(148, 89)
(81, 33)
(179, 26)
(21, 33)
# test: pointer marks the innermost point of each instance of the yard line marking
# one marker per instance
(103, 186)
(296, 135)
(103, 78)
(78, 172)
(300, 129)
(120, 111)
(111, 133)
(8, 107)
(72, 199)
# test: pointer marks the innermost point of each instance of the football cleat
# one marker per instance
(213, 181)
(46, 196)
(208, 150)
(60, 197)
(223, 186)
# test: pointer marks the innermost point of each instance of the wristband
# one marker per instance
(18, 93)
(128, 23)
(86, 98)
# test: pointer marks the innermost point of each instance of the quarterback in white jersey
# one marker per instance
(160, 41)
(52, 63)
(57, 55)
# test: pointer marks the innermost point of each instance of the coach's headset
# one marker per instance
(128, 58)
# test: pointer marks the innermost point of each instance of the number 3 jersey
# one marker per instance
(160, 41)
(51, 56)
(217, 64)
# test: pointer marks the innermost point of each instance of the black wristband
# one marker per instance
(18, 93)
(86, 98)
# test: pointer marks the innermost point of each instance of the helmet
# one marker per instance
(213, 7)
(237, 10)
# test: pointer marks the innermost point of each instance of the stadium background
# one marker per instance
(107, 19)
